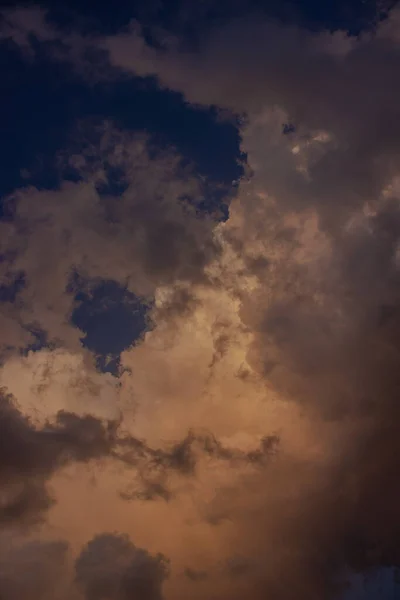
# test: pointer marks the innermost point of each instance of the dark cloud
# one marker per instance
(111, 566)
(155, 210)
(155, 466)
(333, 347)
(29, 456)
(194, 575)
(13, 283)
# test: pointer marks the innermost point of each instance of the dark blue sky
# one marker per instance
(43, 101)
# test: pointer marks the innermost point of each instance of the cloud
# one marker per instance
(145, 237)
(320, 82)
(281, 322)
(21, 24)
(29, 456)
(111, 566)
(317, 211)
(32, 568)
(48, 381)
(57, 410)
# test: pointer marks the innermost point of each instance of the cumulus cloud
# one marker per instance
(316, 232)
(48, 381)
(145, 237)
(281, 322)
(30, 455)
(322, 83)
(111, 566)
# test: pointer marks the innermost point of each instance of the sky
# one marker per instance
(200, 300)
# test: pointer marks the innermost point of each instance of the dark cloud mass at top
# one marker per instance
(199, 304)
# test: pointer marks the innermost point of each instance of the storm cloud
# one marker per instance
(254, 439)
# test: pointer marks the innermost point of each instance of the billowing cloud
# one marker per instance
(111, 566)
(29, 456)
(322, 83)
(145, 237)
(48, 381)
(279, 324)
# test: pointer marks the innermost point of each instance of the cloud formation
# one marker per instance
(280, 324)
(29, 456)
(111, 566)
(146, 237)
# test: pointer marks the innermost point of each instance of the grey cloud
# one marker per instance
(29, 456)
(323, 81)
(325, 338)
(111, 566)
(147, 236)
(155, 465)
(326, 332)
(331, 345)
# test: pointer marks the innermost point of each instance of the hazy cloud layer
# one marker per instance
(32, 568)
